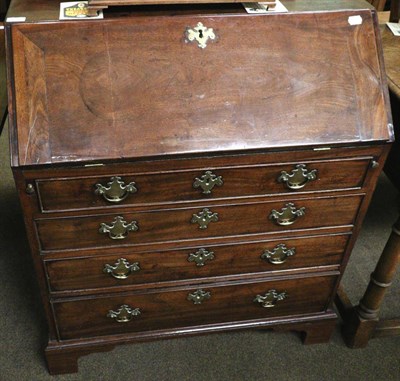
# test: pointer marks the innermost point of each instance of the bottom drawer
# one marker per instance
(190, 306)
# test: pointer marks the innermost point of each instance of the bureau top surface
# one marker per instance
(49, 10)
(137, 86)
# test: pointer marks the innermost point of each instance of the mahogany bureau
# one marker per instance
(194, 168)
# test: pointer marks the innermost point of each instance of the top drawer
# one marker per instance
(132, 188)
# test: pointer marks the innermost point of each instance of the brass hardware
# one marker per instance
(30, 189)
(124, 314)
(207, 182)
(201, 256)
(201, 34)
(94, 165)
(288, 215)
(270, 298)
(119, 228)
(204, 217)
(374, 164)
(322, 149)
(121, 269)
(298, 178)
(278, 255)
(116, 190)
(199, 296)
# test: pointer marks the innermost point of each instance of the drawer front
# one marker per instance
(193, 185)
(195, 223)
(207, 305)
(195, 263)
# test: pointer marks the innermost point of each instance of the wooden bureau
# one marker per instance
(173, 184)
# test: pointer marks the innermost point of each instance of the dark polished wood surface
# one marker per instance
(88, 317)
(175, 186)
(128, 96)
(175, 224)
(199, 99)
(87, 272)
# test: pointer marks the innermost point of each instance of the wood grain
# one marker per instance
(130, 96)
(99, 97)
(88, 317)
(177, 186)
(85, 273)
(175, 225)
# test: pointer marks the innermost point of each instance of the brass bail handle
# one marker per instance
(119, 228)
(124, 314)
(270, 298)
(121, 269)
(278, 255)
(288, 214)
(298, 177)
(116, 190)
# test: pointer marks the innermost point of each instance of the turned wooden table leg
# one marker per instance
(364, 318)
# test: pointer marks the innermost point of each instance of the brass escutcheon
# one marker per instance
(207, 182)
(201, 34)
(121, 269)
(298, 178)
(119, 228)
(115, 191)
(124, 314)
(199, 296)
(288, 215)
(270, 299)
(278, 255)
(204, 217)
(201, 256)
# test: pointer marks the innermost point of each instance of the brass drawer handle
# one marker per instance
(204, 217)
(199, 296)
(270, 298)
(288, 215)
(278, 255)
(201, 256)
(121, 269)
(115, 191)
(124, 314)
(119, 228)
(207, 182)
(298, 178)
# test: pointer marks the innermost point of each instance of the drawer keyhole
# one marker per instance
(201, 34)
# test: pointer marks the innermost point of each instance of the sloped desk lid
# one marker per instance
(133, 87)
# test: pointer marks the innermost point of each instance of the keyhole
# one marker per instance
(201, 33)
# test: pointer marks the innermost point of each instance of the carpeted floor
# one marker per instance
(249, 356)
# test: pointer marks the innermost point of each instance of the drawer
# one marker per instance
(147, 227)
(196, 185)
(195, 263)
(173, 309)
